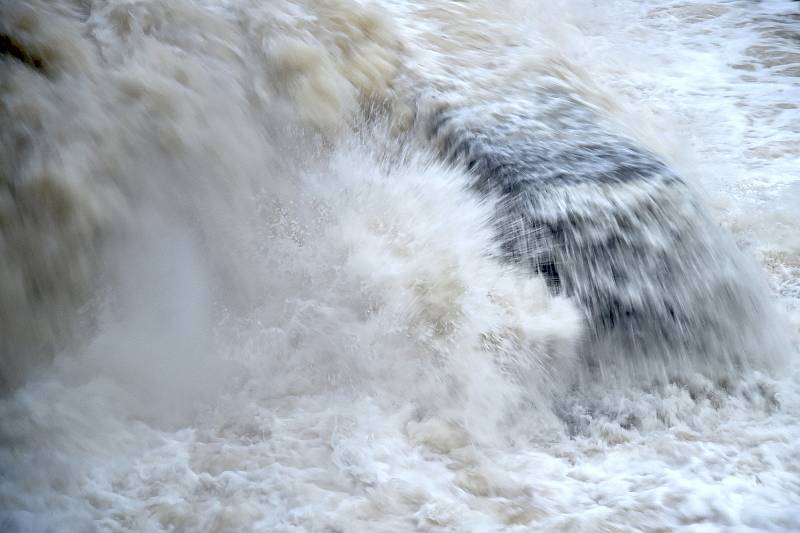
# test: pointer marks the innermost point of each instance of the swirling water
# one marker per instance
(333, 265)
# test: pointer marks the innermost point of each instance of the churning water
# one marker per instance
(333, 265)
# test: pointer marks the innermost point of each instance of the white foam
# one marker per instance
(272, 323)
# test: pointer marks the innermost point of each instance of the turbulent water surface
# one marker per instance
(333, 265)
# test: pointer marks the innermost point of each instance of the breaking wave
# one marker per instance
(323, 264)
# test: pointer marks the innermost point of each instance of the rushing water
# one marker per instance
(333, 265)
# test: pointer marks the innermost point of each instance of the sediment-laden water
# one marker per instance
(331, 265)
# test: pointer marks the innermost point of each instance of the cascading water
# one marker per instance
(606, 222)
(403, 265)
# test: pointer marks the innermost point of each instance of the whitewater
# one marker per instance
(423, 265)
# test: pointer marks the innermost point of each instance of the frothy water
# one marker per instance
(438, 266)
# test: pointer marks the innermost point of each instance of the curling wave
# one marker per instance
(329, 265)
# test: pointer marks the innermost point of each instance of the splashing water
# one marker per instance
(392, 266)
